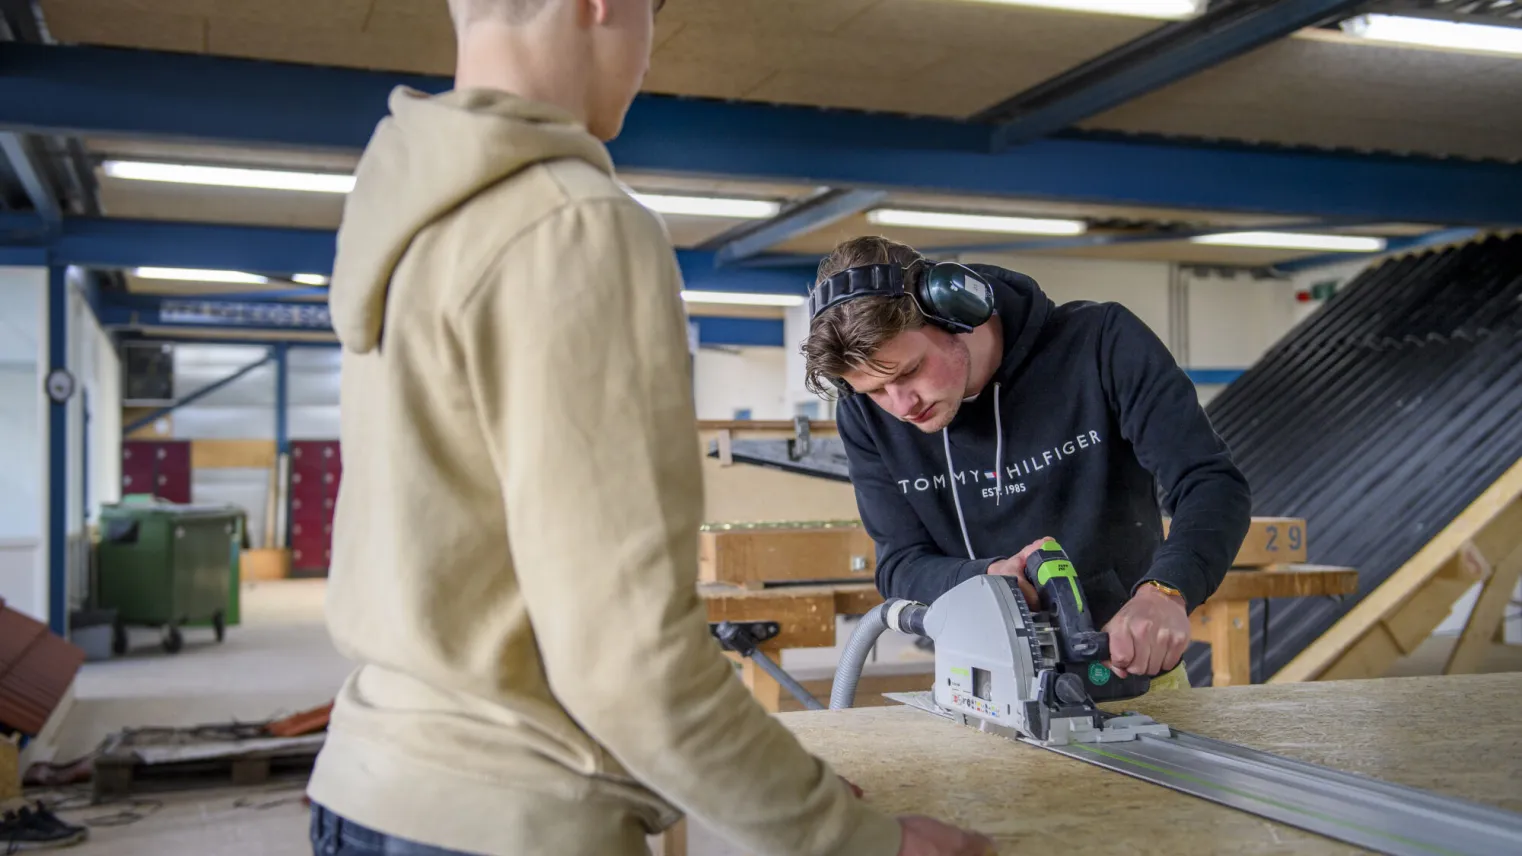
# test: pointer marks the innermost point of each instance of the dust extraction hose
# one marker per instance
(905, 616)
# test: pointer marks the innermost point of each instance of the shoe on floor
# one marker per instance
(37, 828)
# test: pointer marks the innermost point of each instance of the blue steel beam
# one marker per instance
(121, 243)
(271, 318)
(1206, 377)
(1155, 60)
(758, 332)
(32, 181)
(221, 100)
(58, 456)
(282, 354)
(150, 418)
(830, 207)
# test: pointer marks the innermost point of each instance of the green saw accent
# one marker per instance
(1099, 674)
(1052, 568)
(1051, 545)
(960, 671)
(1326, 818)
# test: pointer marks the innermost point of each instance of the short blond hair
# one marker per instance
(466, 12)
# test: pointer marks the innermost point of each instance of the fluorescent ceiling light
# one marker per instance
(1292, 241)
(709, 206)
(193, 275)
(974, 222)
(222, 176)
(310, 279)
(743, 298)
(1133, 8)
(1426, 32)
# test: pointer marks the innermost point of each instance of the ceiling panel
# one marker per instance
(1327, 90)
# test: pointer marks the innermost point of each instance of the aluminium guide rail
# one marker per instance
(1380, 816)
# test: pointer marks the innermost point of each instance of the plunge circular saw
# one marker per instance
(1003, 668)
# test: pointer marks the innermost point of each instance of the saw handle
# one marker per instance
(1056, 581)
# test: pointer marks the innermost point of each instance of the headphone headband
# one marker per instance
(886, 280)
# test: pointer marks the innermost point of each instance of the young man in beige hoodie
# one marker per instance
(515, 546)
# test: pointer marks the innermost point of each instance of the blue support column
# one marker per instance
(282, 399)
(58, 456)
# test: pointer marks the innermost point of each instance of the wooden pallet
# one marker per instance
(134, 762)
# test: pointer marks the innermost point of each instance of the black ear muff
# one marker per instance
(955, 297)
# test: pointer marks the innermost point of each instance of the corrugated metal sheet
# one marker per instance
(36, 669)
(1378, 420)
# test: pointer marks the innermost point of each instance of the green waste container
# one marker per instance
(166, 565)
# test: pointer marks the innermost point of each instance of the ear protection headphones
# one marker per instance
(950, 296)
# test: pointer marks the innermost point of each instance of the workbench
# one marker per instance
(807, 615)
(1456, 735)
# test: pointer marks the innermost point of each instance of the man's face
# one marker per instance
(926, 379)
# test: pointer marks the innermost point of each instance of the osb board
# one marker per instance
(1026, 798)
(1321, 88)
(232, 454)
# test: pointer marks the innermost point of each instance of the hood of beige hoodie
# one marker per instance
(430, 155)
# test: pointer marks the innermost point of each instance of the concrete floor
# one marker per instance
(280, 660)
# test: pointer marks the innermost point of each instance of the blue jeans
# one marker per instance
(334, 836)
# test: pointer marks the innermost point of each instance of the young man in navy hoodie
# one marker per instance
(980, 418)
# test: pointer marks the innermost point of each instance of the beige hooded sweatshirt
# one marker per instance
(515, 544)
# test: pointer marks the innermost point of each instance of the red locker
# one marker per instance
(316, 470)
(158, 467)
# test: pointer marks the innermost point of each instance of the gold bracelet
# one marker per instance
(1165, 588)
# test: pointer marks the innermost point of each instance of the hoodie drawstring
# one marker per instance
(951, 471)
(998, 450)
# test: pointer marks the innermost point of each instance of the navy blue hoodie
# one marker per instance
(1087, 420)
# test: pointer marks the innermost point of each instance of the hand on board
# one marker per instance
(1149, 634)
(925, 836)
(1014, 566)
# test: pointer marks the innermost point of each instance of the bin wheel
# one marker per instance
(118, 638)
(173, 641)
(219, 625)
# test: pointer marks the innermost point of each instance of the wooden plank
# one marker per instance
(761, 685)
(1230, 642)
(806, 613)
(748, 556)
(856, 598)
(1489, 609)
(1025, 798)
(1371, 657)
(1269, 541)
(232, 454)
(1287, 581)
(1497, 502)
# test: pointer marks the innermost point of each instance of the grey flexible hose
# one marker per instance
(787, 681)
(854, 658)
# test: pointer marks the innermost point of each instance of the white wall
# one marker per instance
(734, 378)
(23, 440)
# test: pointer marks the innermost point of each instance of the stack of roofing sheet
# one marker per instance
(1378, 420)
